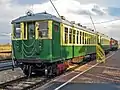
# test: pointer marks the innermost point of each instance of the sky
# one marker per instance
(74, 10)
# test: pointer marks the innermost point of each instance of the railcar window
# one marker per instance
(87, 38)
(70, 36)
(25, 30)
(74, 32)
(94, 39)
(80, 37)
(77, 36)
(31, 30)
(17, 30)
(56, 27)
(83, 38)
(43, 29)
(66, 35)
(90, 39)
(102, 41)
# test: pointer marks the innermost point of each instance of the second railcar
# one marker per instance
(113, 44)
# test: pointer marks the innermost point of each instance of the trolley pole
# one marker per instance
(93, 26)
(99, 49)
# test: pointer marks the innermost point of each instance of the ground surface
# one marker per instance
(105, 76)
(8, 75)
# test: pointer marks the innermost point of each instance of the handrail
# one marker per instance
(100, 54)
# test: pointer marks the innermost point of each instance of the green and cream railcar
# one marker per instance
(44, 43)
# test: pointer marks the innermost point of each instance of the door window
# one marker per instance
(56, 27)
(31, 30)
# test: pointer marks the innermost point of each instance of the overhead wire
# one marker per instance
(104, 21)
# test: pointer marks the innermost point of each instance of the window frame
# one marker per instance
(74, 36)
(66, 36)
(83, 37)
(77, 37)
(80, 36)
(13, 31)
(25, 31)
(28, 33)
(49, 32)
(70, 33)
(62, 30)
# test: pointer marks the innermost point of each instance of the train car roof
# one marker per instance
(46, 16)
(36, 17)
(103, 35)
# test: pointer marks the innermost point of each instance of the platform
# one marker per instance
(91, 76)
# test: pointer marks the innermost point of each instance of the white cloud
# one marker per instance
(9, 10)
(100, 2)
(73, 10)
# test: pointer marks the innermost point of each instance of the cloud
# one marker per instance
(73, 10)
(9, 10)
(114, 29)
(98, 10)
(101, 2)
(90, 9)
(31, 2)
(23, 2)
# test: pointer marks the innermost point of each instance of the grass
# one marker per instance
(5, 48)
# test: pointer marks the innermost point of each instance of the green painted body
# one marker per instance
(25, 49)
(75, 51)
(50, 50)
(106, 47)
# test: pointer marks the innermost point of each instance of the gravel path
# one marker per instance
(8, 75)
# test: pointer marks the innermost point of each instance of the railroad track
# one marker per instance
(5, 68)
(5, 60)
(5, 65)
(31, 83)
(24, 83)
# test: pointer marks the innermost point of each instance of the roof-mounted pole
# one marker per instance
(92, 22)
(55, 8)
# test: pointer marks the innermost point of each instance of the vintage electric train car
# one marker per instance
(113, 44)
(45, 43)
